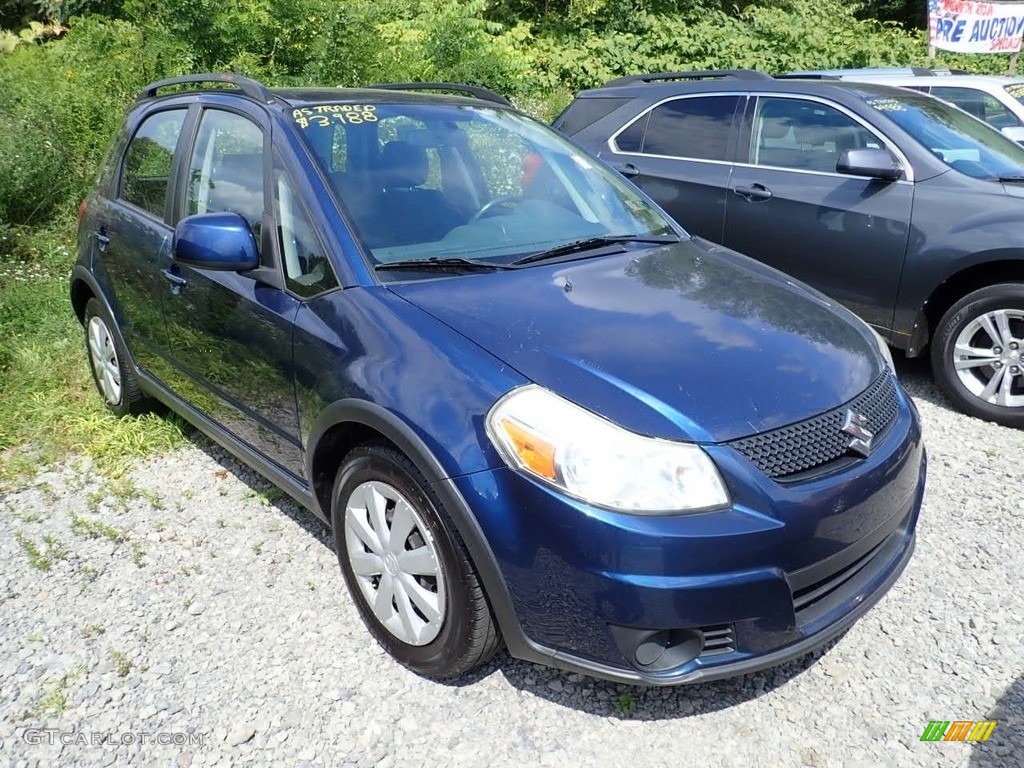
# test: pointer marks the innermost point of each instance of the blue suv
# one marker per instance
(533, 410)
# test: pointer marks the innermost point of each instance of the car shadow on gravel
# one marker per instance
(1008, 737)
(586, 694)
(915, 375)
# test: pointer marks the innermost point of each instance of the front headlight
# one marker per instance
(883, 348)
(590, 458)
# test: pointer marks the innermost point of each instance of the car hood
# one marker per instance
(684, 341)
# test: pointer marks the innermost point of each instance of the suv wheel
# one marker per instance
(978, 353)
(108, 360)
(407, 568)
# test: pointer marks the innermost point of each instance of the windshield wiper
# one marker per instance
(1010, 178)
(587, 243)
(438, 263)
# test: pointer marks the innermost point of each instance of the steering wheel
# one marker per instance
(490, 205)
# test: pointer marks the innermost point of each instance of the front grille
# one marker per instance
(718, 640)
(820, 440)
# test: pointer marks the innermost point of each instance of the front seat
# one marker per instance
(408, 213)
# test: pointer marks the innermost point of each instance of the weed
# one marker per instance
(36, 637)
(91, 631)
(95, 529)
(90, 572)
(54, 699)
(42, 558)
(137, 554)
(626, 704)
(122, 664)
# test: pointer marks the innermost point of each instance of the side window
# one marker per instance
(226, 169)
(978, 103)
(696, 128)
(804, 135)
(632, 139)
(148, 160)
(306, 266)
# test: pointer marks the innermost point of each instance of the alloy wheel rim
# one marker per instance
(105, 364)
(988, 357)
(395, 562)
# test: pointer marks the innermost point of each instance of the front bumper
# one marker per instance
(784, 570)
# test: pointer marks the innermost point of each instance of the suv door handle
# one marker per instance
(628, 170)
(102, 240)
(755, 193)
(177, 281)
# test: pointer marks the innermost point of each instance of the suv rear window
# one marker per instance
(696, 128)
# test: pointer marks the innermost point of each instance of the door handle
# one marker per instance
(177, 281)
(628, 170)
(755, 193)
(102, 240)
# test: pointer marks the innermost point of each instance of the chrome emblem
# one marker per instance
(856, 424)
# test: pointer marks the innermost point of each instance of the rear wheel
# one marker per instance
(108, 359)
(978, 353)
(406, 567)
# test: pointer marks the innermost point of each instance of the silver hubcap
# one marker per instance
(104, 360)
(395, 562)
(987, 357)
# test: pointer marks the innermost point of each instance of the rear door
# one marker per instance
(788, 207)
(132, 234)
(231, 333)
(680, 153)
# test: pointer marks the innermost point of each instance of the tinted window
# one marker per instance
(804, 135)
(632, 139)
(978, 103)
(148, 160)
(695, 128)
(226, 170)
(307, 269)
(584, 112)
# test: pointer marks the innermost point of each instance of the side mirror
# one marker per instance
(220, 241)
(875, 163)
(1015, 132)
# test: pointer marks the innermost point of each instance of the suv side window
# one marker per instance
(148, 160)
(226, 169)
(804, 135)
(978, 103)
(694, 128)
(307, 269)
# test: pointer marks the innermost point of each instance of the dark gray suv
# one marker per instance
(905, 209)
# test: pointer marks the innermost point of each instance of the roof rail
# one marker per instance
(252, 88)
(701, 74)
(473, 90)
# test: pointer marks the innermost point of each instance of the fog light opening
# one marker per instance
(656, 650)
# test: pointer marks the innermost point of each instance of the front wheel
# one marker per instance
(406, 567)
(978, 353)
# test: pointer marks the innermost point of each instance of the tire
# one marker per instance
(988, 380)
(110, 365)
(438, 622)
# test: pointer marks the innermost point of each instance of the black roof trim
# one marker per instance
(700, 74)
(473, 90)
(252, 88)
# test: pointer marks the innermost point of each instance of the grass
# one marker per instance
(626, 704)
(51, 407)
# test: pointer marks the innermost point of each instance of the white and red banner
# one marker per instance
(969, 27)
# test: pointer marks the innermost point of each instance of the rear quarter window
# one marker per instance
(584, 112)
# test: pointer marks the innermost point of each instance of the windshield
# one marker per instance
(961, 141)
(447, 181)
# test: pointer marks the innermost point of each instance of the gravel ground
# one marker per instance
(194, 617)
